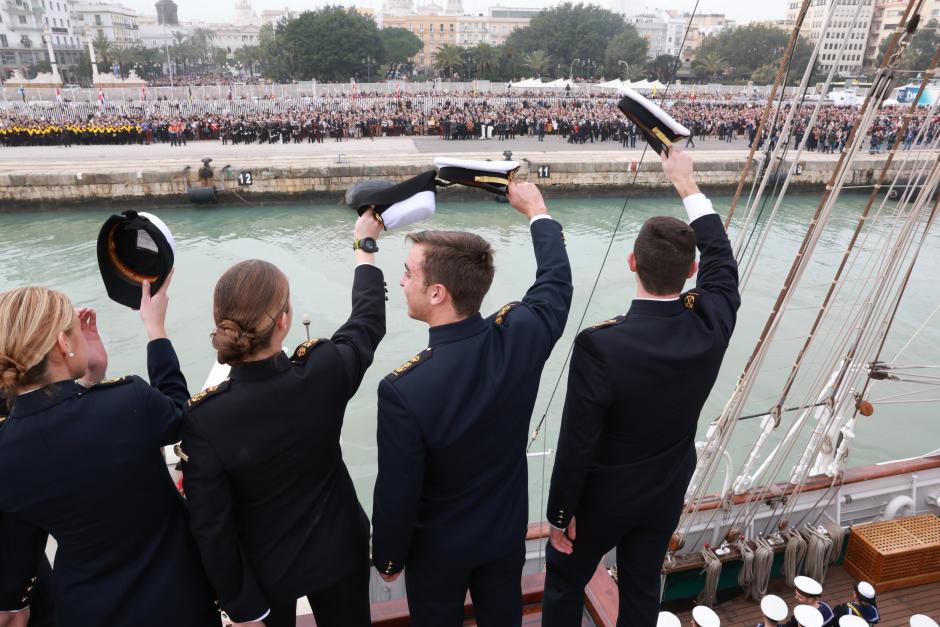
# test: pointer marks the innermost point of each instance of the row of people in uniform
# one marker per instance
(271, 513)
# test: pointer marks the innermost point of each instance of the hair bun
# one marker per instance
(232, 342)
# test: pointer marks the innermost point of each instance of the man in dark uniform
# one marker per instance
(450, 500)
(25, 575)
(626, 449)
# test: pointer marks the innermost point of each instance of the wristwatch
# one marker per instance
(367, 244)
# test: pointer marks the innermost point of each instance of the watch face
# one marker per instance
(369, 245)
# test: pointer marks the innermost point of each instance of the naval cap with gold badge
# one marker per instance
(492, 176)
(657, 126)
(397, 205)
(134, 247)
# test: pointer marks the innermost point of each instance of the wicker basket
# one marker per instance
(896, 553)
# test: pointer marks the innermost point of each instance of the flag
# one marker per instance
(58, 94)
(355, 90)
(190, 90)
(143, 94)
(398, 91)
(100, 97)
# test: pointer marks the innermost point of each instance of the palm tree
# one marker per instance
(103, 47)
(486, 58)
(447, 58)
(538, 61)
(219, 58)
(709, 65)
(248, 56)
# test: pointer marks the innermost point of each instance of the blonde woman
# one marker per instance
(86, 465)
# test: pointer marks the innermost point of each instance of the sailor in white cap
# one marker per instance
(851, 620)
(863, 606)
(668, 619)
(807, 592)
(922, 620)
(703, 616)
(775, 611)
(807, 616)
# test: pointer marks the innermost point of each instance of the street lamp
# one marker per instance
(571, 69)
(368, 62)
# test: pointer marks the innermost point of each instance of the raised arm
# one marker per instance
(398, 485)
(550, 296)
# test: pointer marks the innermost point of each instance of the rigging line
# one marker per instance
(903, 394)
(916, 333)
(913, 400)
(784, 410)
(613, 235)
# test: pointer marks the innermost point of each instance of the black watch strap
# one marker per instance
(366, 244)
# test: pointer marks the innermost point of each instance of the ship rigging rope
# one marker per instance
(597, 278)
(837, 179)
(916, 333)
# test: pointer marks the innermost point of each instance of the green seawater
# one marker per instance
(311, 243)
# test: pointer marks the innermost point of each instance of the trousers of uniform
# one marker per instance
(639, 525)
(437, 591)
(344, 603)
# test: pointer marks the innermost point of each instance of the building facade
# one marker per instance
(25, 28)
(115, 22)
(653, 28)
(842, 26)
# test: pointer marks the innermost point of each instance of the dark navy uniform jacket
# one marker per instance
(867, 611)
(274, 510)
(25, 575)
(88, 469)
(637, 385)
(453, 424)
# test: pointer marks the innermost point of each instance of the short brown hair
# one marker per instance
(461, 262)
(665, 251)
(248, 300)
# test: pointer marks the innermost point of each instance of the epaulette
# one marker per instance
(505, 309)
(303, 351)
(408, 365)
(605, 324)
(212, 390)
(690, 299)
(107, 383)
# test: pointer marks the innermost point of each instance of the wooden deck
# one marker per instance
(896, 606)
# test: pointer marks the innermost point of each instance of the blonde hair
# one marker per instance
(31, 319)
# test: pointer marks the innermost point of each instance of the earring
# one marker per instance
(71, 354)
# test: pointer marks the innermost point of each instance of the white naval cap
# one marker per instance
(774, 608)
(398, 205)
(493, 176)
(808, 586)
(705, 617)
(865, 590)
(657, 126)
(922, 620)
(668, 619)
(851, 620)
(807, 616)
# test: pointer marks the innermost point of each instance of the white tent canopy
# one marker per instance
(561, 83)
(614, 84)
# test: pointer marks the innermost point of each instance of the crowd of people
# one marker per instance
(576, 120)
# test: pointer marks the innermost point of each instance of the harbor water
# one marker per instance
(312, 245)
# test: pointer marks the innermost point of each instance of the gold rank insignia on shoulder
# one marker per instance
(505, 309)
(408, 365)
(688, 300)
(212, 390)
(606, 323)
(110, 382)
(303, 351)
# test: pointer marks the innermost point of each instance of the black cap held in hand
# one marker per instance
(132, 248)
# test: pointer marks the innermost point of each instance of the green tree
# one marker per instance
(103, 47)
(329, 44)
(448, 59)
(570, 31)
(248, 56)
(400, 45)
(746, 48)
(922, 47)
(764, 75)
(538, 61)
(661, 68)
(273, 61)
(627, 46)
(485, 58)
(709, 65)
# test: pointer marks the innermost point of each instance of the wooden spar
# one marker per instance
(781, 71)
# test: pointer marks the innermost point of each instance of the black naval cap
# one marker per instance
(397, 205)
(134, 247)
(493, 176)
(657, 126)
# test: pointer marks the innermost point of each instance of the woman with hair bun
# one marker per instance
(81, 460)
(273, 507)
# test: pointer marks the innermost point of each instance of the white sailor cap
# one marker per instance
(705, 616)
(657, 126)
(774, 608)
(865, 590)
(493, 176)
(399, 204)
(807, 616)
(851, 620)
(808, 586)
(668, 619)
(922, 620)
(134, 247)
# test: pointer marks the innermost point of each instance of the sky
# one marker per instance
(223, 10)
